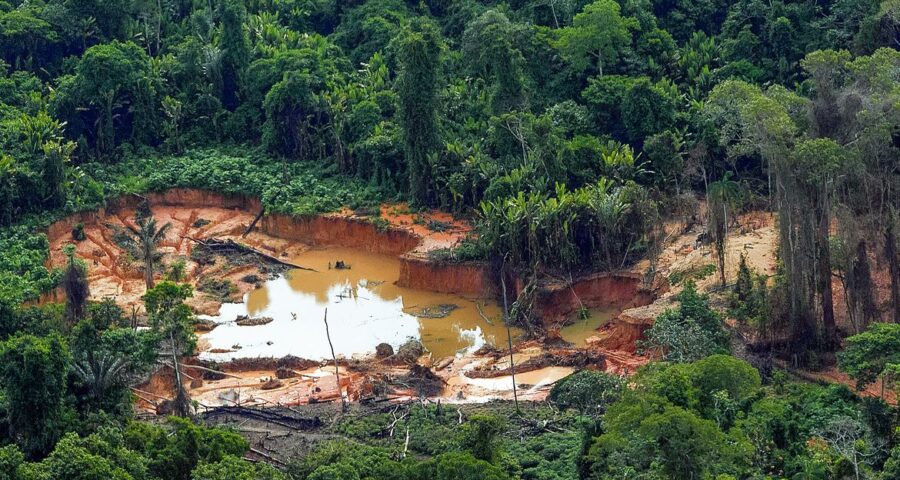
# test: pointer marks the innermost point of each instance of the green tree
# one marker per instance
(11, 459)
(819, 164)
(597, 34)
(666, 155)
(369, 27)
(344, 459)
(689, 333)
(456, 466)
(867, 355)
(587, 391)
(487, 44)
(235, 47)
(172, 321)
(33, 375)
(419, 51)
(181, 447)
(294, 116)
(722, 201)
(645, 434)
(101, 455)
(75, 285)
(111, 97)
(143, 245)
(480, 437)
(725, 385)
(646, 110)
(892, 465)
(9, 191)
(235, 468)
(26, 38)
(107, 358)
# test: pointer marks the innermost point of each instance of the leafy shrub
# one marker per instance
(749, 299)
(480, 436)
(598, 225)
(689, 333)
(587, 391)
(220, 288)
(78, 232)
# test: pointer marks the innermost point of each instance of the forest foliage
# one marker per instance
(571, 130)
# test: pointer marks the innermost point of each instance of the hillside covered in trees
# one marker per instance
(577, 137)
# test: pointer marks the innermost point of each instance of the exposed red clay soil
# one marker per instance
(558, 301)
(191, 215)
(196, 214)
(468, 278)
(471, 378)
(202, 215)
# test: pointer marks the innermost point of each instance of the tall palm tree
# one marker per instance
(143, 245)
(102, 370)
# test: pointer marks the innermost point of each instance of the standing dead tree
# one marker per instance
(337, 373)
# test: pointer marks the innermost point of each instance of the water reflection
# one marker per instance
(365, 308)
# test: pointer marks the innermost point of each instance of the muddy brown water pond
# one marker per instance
(581, 329)
(365, 308)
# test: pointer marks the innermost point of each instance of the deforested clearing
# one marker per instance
(493, 240)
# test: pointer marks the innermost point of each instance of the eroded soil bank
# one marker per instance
(196, 214)
(406, 275)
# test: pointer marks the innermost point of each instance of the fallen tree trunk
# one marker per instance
(259, 215)
(227, 245)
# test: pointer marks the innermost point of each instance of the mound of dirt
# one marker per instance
(255, 364)
(245, 321)
(284, 372)
(271, 384)
(204, 325)
(423, 381)
(383, 350)
(409, 352)
(575, 358)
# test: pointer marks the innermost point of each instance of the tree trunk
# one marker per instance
(553, 11)
(824, 273)
(890, 251)
(337, 374)
(148, 268)
(512, 365)
(182, 402)
(159, 15)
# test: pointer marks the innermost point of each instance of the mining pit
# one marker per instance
(263, 283)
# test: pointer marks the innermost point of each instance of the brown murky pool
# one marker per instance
(365, 308)
(583, 328)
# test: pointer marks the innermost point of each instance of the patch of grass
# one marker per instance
(219, 288)
(381, 224)
(203, 255)
(469, 250)
(692, 273)
(437, 225)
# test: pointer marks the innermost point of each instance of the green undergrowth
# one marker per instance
(540, 444)
(298, 188)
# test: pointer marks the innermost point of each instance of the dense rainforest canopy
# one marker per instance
(570, 130)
